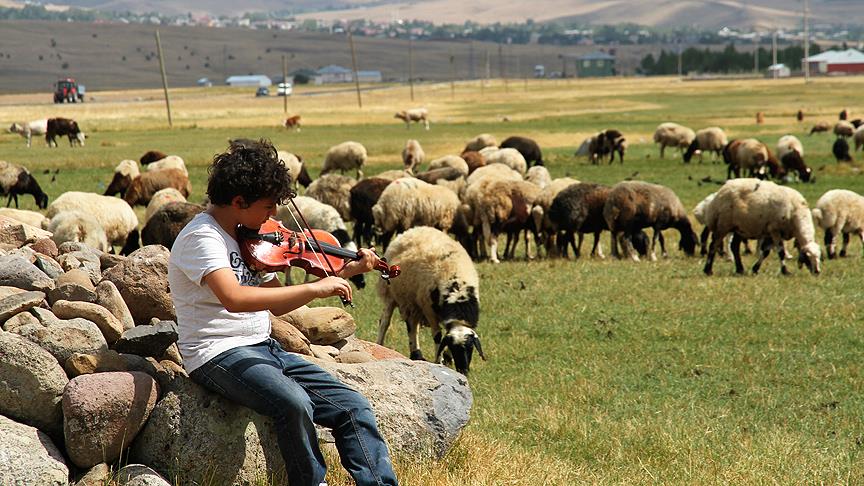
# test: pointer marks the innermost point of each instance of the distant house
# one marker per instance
(849, 61)
(595, 64)
(369, 76)
(779, 71)
(250, 80)
(333, 74)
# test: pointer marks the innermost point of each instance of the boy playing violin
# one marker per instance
(224, 328)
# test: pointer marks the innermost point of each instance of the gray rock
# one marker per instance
(44, 316)
(17, 303)
(29, 456)
(420, 407)
(98, 475)
(6, 291)
(108, 324)
(142, 280)
(48, 265)
(63, 338)
(151, 341)
(77, 246)
(31, 385)
(103, 412)
(139, 475)
(18, 320)
(109, 297)
(76, 276)
(72, 292)
(82, 260)
(15, 271)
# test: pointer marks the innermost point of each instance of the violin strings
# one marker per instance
(306, 238)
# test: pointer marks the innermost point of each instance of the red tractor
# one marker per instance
(68, 91)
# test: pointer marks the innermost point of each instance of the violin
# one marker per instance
(274, 248)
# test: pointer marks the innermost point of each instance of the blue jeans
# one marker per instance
(296, 393)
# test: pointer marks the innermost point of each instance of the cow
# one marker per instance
(292, 122)
(416, 115)
(27, 130)
(61, 127)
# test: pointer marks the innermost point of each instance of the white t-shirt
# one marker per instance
(205, 327)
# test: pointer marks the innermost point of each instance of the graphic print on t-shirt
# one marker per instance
(241, 271)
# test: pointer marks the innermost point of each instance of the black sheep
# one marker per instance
(163, 227)
(363, 196)
(841, 150)
(525, 146)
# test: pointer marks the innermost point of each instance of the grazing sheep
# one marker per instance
(125, 171)
(633, 205)
(763, 210)
(409, 202)
(545, 232)
(439, 287)
(151, 156)
(480, 142)
(33, 218)
(844, 114)
(579, 208)
(498, 206)
(392, 175)
(858, 137)
(114, 215)
(15, 180)
(143, 187)
(819, 127)
(416, 115)
(607, 142)
(296, 168)
(442, 174)
(335, 190)
(799, 116)
(857, 123)
(507, 156)
(749, 154)
(345, 156)
(673, 135)
(161, 198)
(61, 127)
(840, 149)
(527, 147)
(839, 212)
(319, 216)
(790, 151)
(453, 161)
(499, 171)
(78, 226)
(165, 224)
(760, 118)
(474, 160)
(412, 155)
(363, 196)
(844, 129)
(168, 162)
(539, 176)
(708, 139)
(292, 122)
(27, 130)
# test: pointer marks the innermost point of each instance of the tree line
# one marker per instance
(729, 60)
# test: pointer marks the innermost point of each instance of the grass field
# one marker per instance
(599, 371)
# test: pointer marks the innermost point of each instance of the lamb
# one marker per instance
(161, 198)
(408, 202)
(296, 168)
(751, 208)
(633, 205)
(78, 226)
(143, 187)
(414, 115)
(439, 287)
(858, 137)
(114, 215)
(749, 153)
(15, 180)
(345, 156)
(607, 142)
(151, 156)
(453, 161)
(363, 196)
(839, 212)
(844, 129)
(480, 142)
(527, 147)
(673, 135)
(27, 130)
(840, 149)
(507, 156)
(319, 216)
(708, 139)
(790, 151)
(819, 127)
(335, 190)
(33, 218)
(165, 224)
(474, 160)
(412, 155)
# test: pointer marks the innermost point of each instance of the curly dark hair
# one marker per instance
(250, 169)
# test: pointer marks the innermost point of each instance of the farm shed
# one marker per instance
(849, 61)
(333, 74)
(250, 80)
(595, 64)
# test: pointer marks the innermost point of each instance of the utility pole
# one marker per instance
(472, 74)
(680, 63)
(774, 52)
(225, 61)
(452, 76)
(354, 65)
(756, 54)
(164, 78)
(411, 64)
(806, 41)
(284, 83)
(488, 71)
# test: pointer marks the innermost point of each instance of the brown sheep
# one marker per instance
(474, 159)
(143, 187)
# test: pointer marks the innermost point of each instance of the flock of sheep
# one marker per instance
(435, 222)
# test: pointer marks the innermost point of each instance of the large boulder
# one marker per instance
(18, 234)
(109, 297)
(31, 384)
(322, 325)
(17, 271)
(63, 338)
(420, 407)
(103, 412)
(142, 280)
(29, 456)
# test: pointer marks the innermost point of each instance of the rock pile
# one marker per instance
(91, 378)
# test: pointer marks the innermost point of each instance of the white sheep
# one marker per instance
(80, 227)
(33, 218)
(858, 137)
(161, 198)
(412, 155)
(708, 139)
(392, 175)
(439, 287)
(114, 215)
(788, 144)
(27, 130)
(748, 153)
(498, 206)
(539, 176)
(839, 212)
(499, 171)
(453, 161)
(335, 190)
(344, 157)
(844, 129)
(480, 141)
(125, 171)
(295, 168)
(409, 202)
(673, 135)
(762, 210)
(415, 114)
(169, 162)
